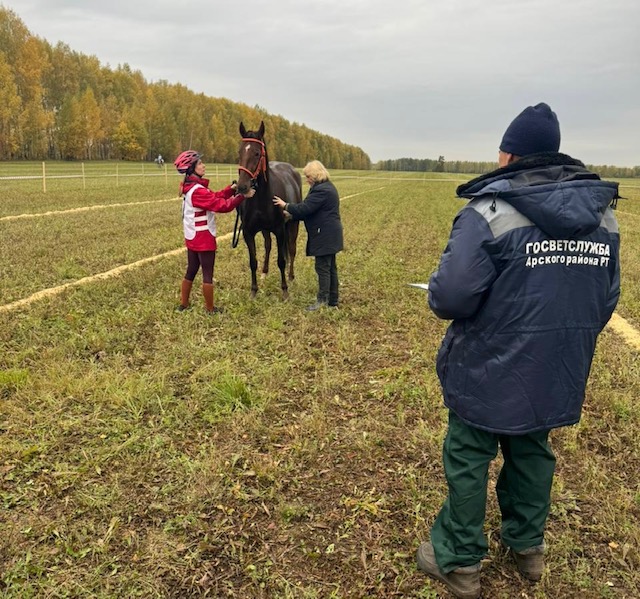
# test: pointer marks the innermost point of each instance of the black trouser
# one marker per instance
(327, 271)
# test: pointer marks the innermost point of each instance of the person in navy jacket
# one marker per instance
(320, 212)
(530, 276)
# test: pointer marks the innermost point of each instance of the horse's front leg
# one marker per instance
(281, 239)
(250, 240)
(267, 252)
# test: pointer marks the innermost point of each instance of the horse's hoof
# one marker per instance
(253, 294)
(285, 296)
(263, 275)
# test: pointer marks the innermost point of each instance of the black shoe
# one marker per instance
(182, 308)
(216, 310)
(463, 582)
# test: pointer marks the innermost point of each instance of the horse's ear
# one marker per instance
(261, 130)
(243, 131)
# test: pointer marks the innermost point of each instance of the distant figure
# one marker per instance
(159, 160)
(529, 277)
(198, 206)
(320, 211)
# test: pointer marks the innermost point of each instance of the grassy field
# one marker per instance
(267, 452)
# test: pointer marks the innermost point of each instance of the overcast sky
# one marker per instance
(398, 78)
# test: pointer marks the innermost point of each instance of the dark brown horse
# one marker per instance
(259, 214)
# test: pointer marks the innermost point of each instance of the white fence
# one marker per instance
(121, 171)
(105, 171)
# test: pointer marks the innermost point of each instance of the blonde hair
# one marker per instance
(315, 171)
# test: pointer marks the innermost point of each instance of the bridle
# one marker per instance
(261, 167)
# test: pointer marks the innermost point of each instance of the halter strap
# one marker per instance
(262, 163)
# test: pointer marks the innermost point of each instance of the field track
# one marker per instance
(267, 452)
(617, 323)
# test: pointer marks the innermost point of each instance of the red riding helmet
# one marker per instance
(186, 160)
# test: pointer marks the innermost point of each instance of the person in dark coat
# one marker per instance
(320, 212)
(530, 277)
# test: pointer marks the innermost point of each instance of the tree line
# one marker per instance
(430, 165)
(59, 104)
(479, 168)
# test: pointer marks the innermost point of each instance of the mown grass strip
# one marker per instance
(620, 326)
(85, 209)
(91, 279)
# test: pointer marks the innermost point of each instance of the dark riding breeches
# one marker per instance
(196, 259)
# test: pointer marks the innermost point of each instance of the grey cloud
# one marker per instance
(402, 78)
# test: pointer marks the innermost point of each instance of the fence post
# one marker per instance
(44, 179)
(166, 178)
(84, 183)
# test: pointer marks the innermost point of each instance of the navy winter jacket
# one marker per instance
(320, 212)
(530, 276)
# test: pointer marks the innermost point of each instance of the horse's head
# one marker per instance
(252, 161)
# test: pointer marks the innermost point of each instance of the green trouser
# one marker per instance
(523, 490)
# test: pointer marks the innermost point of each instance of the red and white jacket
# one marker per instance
(198, 206)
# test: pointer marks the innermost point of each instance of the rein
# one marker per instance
(236, 231)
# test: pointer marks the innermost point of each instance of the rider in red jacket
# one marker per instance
(199, 204)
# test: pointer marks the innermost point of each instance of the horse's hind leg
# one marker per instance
(292, 240)
(267, 252)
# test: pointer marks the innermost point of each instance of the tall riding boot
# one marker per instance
(185, 292)
(207, 291)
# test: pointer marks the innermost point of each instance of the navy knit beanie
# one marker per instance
(535, 129)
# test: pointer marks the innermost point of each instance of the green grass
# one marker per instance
(629, 219)
(268, 452)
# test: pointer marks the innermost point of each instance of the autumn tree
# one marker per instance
(10, 106)
(57, 103)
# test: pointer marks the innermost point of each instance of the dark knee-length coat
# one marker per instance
(320, 212)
